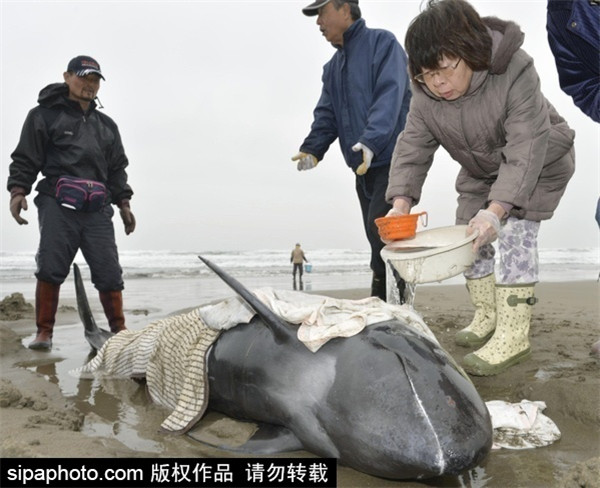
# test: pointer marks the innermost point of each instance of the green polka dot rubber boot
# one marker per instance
(483, 296)
(510, 343)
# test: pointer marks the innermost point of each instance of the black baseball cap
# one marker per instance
(84, 65)
(313, 8)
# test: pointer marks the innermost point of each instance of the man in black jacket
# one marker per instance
(79, 152)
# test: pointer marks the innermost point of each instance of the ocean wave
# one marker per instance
(266, 262)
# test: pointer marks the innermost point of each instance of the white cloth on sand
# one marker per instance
(521, 425)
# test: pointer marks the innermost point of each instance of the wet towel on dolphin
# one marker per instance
(319, 318)
(171, 353)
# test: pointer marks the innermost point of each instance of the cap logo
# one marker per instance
(89, 64)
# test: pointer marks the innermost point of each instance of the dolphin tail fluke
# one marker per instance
(94, 335)
(277, 326)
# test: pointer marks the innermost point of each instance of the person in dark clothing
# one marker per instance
(79, 152)
(364, 102)
(574, 37)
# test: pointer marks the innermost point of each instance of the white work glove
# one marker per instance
(367, 157)
(401, 207)
(305, 161)
(487, 224)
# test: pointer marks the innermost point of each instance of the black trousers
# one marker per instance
(63, 232)
(370, 189)
(297, 266)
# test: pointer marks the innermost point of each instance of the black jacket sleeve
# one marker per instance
(28, 157)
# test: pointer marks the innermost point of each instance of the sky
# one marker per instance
(213, 98)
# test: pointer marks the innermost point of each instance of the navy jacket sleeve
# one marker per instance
(574, 38)
(390, 87)
(323, 131)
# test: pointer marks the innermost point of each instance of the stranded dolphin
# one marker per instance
(387, 401)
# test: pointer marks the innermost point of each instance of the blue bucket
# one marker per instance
(308, 267)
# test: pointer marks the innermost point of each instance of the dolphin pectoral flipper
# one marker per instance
(271, 439)
(267, 439)
(94, 335)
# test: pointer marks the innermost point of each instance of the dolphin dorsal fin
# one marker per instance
(277, 326)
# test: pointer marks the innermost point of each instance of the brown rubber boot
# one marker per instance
(46, 304)
(112, 302)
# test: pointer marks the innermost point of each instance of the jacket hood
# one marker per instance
(53, 94)
(507, 39)
(57, 94)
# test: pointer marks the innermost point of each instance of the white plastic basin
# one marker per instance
(432, 255)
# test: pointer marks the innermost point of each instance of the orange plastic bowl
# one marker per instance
(398, 227)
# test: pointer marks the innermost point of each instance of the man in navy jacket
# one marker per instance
(364, 102)
(574, 36)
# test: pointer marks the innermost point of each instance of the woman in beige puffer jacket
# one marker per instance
(477, 94)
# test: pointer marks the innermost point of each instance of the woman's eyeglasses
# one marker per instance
(444, 71)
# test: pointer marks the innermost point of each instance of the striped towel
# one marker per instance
(171, 355)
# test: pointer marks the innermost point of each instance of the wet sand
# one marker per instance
(46, 412)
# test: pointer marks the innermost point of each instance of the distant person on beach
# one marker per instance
(477, 94)
(79, 152)
(297, 259)
(574, 38)
(364, 102)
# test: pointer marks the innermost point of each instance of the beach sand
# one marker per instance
(46, 412)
